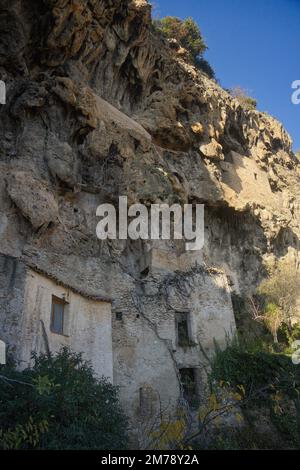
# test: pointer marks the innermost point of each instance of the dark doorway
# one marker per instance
(189, 386)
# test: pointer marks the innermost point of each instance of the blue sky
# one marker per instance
(254, 44)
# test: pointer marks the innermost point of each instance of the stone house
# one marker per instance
(38, 313)
(165, 338)
(153, 337)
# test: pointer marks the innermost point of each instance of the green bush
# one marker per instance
(257, 370)
(204, 65)
(188, 35)
(288, 335)
(270, 382)
(59, 404)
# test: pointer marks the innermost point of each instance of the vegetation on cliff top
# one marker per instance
(189, 37)
(243, 98)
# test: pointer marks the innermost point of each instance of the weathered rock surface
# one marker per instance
(33, 198)
(97, 104)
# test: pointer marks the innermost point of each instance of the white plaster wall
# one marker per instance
(89, 324)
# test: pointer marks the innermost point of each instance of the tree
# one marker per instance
(59, 404)
(273, 319)
(180, 432)
(269, 314)
(243, 98)
(188, 35)
(281, 289)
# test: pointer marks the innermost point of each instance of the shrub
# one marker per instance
(243, 98)
(271, 382)
(257, 370)
(188, 35)
(59, 404)
(288, 336)
(204, 65)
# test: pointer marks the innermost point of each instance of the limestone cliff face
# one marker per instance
(98, 106)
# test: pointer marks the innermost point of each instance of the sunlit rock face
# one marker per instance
(99, 106)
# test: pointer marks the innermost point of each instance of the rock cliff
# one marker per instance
(99, 106)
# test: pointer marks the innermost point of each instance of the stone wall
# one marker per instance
(12, 286)
(147, 355)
